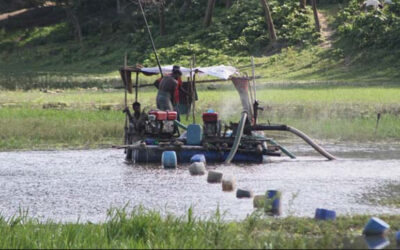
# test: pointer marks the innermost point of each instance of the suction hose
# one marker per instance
(238, 137)
(300, 134)
(310, 142)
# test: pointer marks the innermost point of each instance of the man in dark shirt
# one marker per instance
(136, 121)
(166, 90)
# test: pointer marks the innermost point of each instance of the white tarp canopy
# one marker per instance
(220, 71)
(374, 3)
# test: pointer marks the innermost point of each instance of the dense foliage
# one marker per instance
(106, 35)
(370, 28)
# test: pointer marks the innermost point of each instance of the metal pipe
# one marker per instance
(151, 38)
(181, 125)
(284, 150)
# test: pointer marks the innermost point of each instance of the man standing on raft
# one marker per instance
(166, 89)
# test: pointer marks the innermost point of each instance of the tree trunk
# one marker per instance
(268, 20)
(75, 22)
(209, 13)
(314, 7)
(161, 14)
(228, 3)
(303, 4)
(185, 6)
(118, 7)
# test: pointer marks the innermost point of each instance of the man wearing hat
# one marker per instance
(167, 88)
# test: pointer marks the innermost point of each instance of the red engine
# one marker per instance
(211, 124)
(161, 122)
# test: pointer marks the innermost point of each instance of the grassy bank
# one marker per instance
(148, 229)
(93, 118)
(290, 66)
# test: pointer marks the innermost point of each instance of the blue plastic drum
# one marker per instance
(273, 202)
(169, 160)
(198, 158)
(375, 226)
(325, 214)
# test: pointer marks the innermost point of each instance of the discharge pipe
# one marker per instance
(238, 137)
(300, 134)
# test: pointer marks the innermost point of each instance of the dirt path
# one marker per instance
(326, 31)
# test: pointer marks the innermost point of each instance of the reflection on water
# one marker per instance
(67, 185)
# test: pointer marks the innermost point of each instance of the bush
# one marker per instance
(370, 29)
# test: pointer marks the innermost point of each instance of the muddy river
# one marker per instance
(83, 184)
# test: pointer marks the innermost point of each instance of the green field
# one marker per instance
(93, 118)
(148, 229)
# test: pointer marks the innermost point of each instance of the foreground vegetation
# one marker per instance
(93, 118)
(148, 229)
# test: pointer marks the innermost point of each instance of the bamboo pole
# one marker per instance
(126, 99)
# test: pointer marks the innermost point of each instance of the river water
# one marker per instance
(84, 184)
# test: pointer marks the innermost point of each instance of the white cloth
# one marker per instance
(220, 71)
(374, 3)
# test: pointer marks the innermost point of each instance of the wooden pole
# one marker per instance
(269, 21)
(209, 13)
(137, 86)
(126, 99)
(193, 90)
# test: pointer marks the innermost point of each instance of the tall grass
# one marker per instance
(36, 128)
(148, 229)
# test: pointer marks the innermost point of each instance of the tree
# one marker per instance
(228, 3)
(303, 4)
(314, 7)
(268, 20)
(161, 16)
(71, 7)
(209, 13)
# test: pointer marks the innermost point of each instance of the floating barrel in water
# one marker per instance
(375, 226)
(259, 201)
(214, 177)
(169, 160)
(376, 242)
(244, 193)
(324, 214)
(273, 202)
(198, 158)
(197, 168)
(228, 184)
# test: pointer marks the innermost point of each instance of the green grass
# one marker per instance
(93, 118)
(24, 128)
(148, 229)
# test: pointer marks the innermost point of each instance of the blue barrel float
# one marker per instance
(198, 158)
(376, 241)
(168, 159)
(375, 226)
(398, 237)
(273, 202)
(325, 214)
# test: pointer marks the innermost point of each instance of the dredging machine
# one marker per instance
(238, 142)
(158, 131)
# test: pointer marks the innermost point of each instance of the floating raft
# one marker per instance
(153, 154)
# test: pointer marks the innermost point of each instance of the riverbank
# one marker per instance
(148, 229)
(92, 118)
